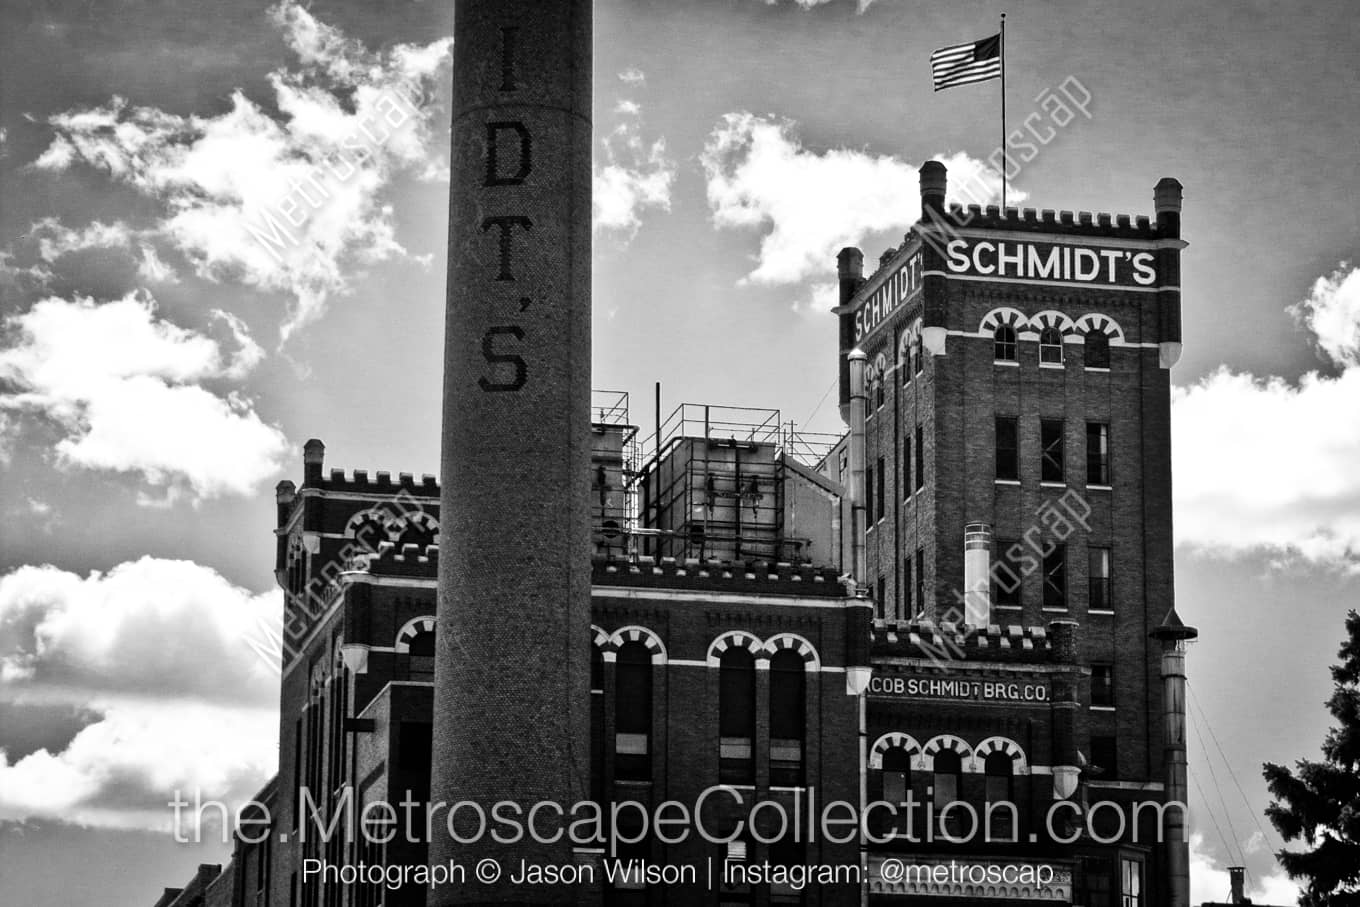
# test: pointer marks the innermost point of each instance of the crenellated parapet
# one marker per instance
(1046, 220)
(360, 482)
(391, 559)
(945, 640)
(756, 576)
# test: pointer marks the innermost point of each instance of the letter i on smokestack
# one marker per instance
(510, 700)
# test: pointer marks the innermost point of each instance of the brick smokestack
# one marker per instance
(849, 277)
(934, 178)
(1166, 201)
(512, 665)
(935, 228)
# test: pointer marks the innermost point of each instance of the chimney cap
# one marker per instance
(313, 451)
(1167, 194)
(857, 355)
(1172, 628)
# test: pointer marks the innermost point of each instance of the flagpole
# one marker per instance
(1003, 113)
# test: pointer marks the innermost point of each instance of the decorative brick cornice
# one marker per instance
(750, 576)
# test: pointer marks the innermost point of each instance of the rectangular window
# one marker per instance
(1007, 448)
(906, 588)
(1131, 883)
(1095, 879)
(414, 742)
(881, 495)
(921, 581)
(880, 597)
(1097, 453)
(1055, 577)
(1105, 756)
(1051, 441)
(906, 466)
(920, 458)
(1099, 571)
(868, 499)
(1007, 576)
(1102, 684)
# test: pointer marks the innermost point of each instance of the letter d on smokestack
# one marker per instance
(511, 698)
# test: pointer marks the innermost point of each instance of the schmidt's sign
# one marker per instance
(959, 688)
(1050, 262)
(899, 286)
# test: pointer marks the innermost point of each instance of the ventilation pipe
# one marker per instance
(1174, 637)
(977, 567)
(858, 403)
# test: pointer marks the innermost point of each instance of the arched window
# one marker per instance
(896, 775)
(736, 716)
(1051, 345)
(420, 657)
(633, 713)
(414, 533)
(947, 784)
(1003, 343)
(1000, 807)
(369, 532)
(1097, 349)
(918, 361)
(788, 716)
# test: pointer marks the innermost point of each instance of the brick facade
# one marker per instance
(725, 554)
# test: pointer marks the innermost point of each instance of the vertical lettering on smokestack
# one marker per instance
(514, 587)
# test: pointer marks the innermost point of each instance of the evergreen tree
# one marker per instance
(1319, 802)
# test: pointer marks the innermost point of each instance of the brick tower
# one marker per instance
(1016, 462)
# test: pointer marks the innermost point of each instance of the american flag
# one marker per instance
(976, 61)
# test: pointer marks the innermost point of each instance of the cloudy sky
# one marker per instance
(160, 365)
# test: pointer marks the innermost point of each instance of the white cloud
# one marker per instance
(1265, 463)
(161, 652)
(55, 240)
(633, 77)
(1332, 313)
(22, 278)
(289, 203)
(151, 269)
(125, 388)
(123, 770)
(861, 5)
(150, 627)
(1209, 878)
(809, 205)
(636, 176)
(821, 297)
